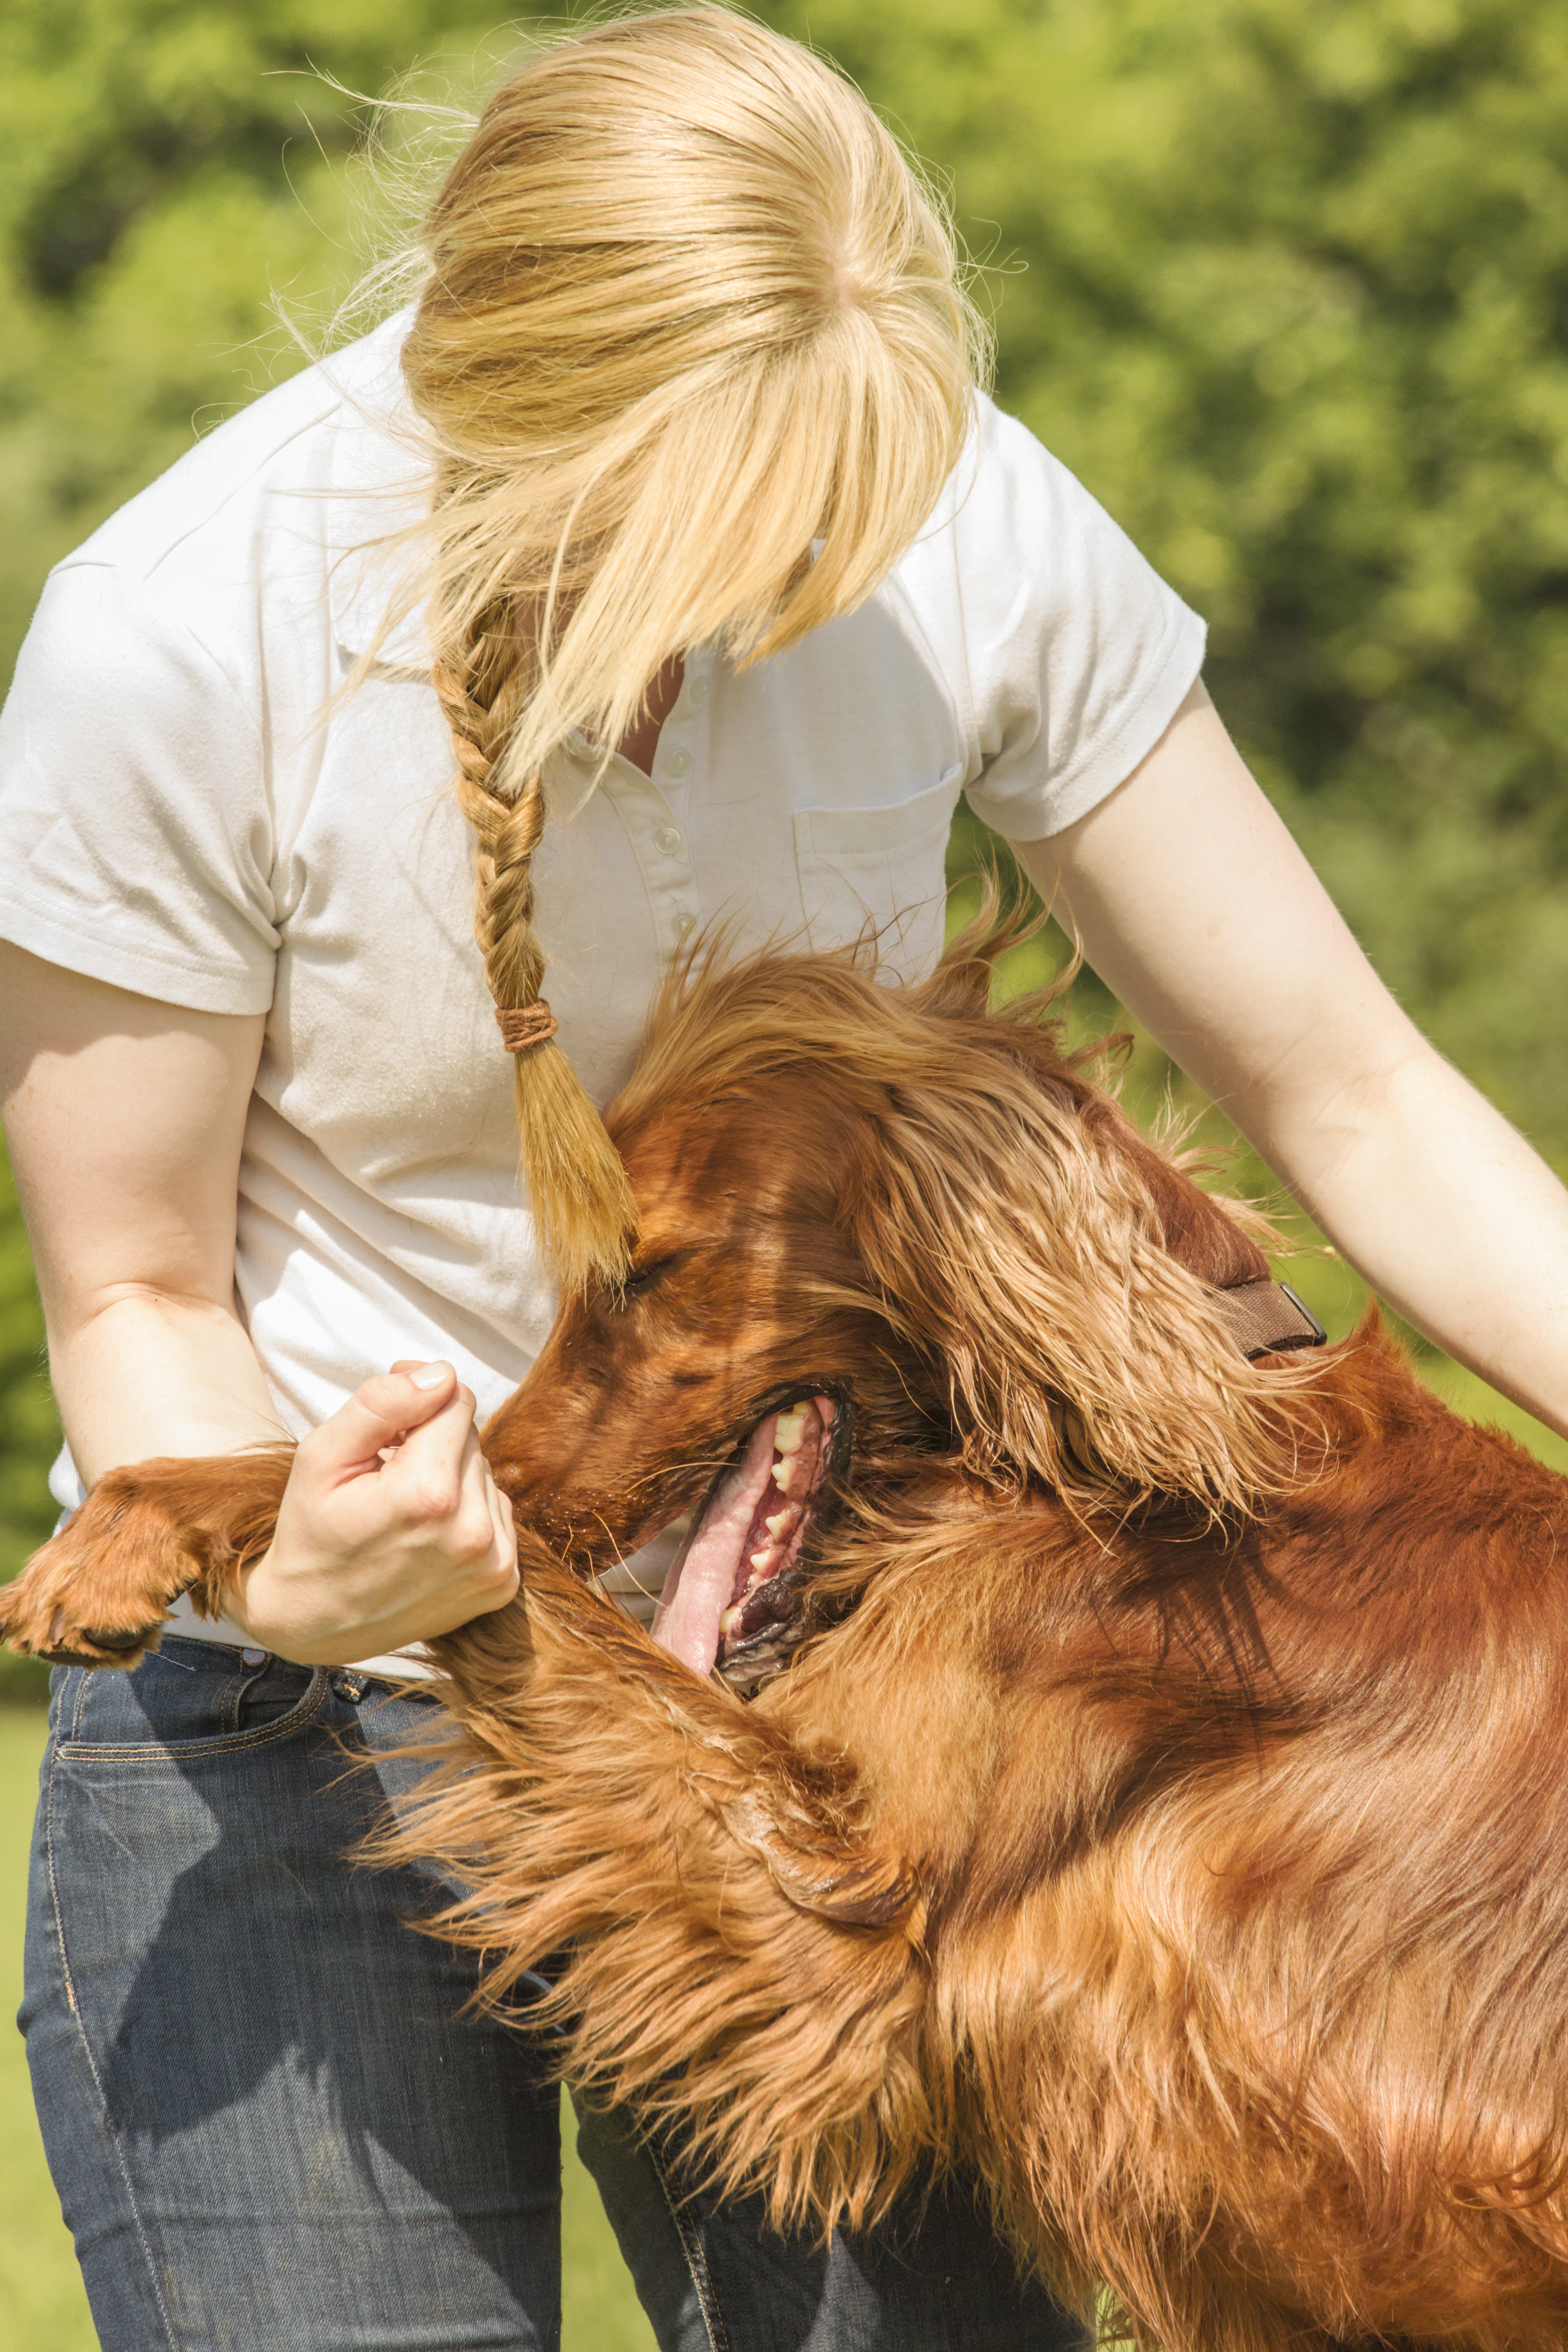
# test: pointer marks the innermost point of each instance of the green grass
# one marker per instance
(41, 2300)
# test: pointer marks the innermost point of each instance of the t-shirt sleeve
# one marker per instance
(1080, 655)
(135, 830)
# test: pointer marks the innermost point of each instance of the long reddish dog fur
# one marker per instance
(1166, 1819)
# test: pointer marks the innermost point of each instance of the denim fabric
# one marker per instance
(272, 2127)
(715, 2278)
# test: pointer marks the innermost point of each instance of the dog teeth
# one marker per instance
(765, 1557)
(782, 1471)
(789, 1430)
(729, 1620)
(779, 1522)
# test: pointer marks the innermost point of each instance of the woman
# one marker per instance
(679, 452)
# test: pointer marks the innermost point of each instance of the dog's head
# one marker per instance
(876, 1222)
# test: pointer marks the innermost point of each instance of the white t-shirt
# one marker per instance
(184, 810)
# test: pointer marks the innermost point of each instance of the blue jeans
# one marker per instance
(272, 2123)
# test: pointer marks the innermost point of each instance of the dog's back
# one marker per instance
(1251, 1952)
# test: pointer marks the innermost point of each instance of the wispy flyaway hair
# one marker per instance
(695, 359)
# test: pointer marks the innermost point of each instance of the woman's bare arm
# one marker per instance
(1194, 905)
(125, 1120)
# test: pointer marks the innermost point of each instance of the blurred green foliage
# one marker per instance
(164, 167)
(1283, 281)
(1292, 302)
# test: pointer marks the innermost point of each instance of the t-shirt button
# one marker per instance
(667, 840)
(699, 691)
(684, 926)
(678, 762)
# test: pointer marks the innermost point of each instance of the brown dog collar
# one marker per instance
(1268, 1318)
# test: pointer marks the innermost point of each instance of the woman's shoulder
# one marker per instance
(1064, 652)
(272, 480)
(1016, 533)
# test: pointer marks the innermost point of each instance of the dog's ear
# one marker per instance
(1019, 1230)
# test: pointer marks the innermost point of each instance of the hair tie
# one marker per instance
(525, 1025)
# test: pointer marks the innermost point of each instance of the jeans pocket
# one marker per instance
(185, 1698)
(268, 1693)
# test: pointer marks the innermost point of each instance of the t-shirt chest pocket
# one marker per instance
(878, 869)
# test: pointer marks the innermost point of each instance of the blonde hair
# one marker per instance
(695, 361)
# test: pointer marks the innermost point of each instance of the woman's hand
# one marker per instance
(391, 1530)
(126, 1120)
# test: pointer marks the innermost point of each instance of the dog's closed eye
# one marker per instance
(643, 1278)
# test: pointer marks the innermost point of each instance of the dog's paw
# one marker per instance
(41, 1616)
(98, 1593)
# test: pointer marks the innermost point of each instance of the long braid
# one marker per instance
(578, 1189)
(689, 314)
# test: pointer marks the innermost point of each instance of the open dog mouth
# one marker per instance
(735, 1594)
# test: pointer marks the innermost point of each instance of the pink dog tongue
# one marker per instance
(702, 1575)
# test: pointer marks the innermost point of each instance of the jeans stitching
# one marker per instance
(234, 1688)
(696, 2260)
(148, 1752)
(109, 2132)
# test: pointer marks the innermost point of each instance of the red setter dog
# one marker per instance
(1071, 1748)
